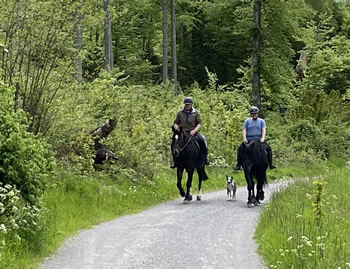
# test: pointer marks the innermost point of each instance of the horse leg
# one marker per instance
(200, 171)
(180, 171)
(188, 195)
(250, 187)
(260, 196)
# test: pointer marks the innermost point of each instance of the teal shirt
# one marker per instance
(254, 128)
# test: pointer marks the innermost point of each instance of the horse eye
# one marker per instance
(176, 137)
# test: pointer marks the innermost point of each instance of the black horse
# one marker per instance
(187, 156)
(255, 163)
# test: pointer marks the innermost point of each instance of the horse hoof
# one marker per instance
(261, 196)
(199, 198)
(250, 204)
(185, 202)
(256, 203)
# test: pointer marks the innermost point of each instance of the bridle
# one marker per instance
(186, 144)
(188, 141)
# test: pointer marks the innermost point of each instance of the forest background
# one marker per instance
(68, 66)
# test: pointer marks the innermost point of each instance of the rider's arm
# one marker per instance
(263, 134)
(177, 121)
(244, 134)
(195, 130)
(198, 124)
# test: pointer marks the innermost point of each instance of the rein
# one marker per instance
(188, 141)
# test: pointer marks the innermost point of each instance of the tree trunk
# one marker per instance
(78, 43)
(165, 41)
(102, 152)
(256, 97)
(108, 37)
(173, 45)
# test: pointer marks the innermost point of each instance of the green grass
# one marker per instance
(308, 224)
(74, 203)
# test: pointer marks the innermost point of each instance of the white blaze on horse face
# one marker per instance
(176, 137)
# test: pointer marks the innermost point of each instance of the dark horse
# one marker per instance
(255, 163)
(187, 156)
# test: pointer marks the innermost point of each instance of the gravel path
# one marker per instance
(213, 233)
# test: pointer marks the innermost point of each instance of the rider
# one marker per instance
(189, 118)
(254, 128)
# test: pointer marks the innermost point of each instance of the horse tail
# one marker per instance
(205, 176)
(201, 173)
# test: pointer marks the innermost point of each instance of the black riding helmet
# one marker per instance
(254, 110)
(188, 100)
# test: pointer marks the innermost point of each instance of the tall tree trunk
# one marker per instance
(165, 41)
(173, 45)
(78, 43)
(256, 97)
(108, 37)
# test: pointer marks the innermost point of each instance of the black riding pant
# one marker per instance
(202, 142)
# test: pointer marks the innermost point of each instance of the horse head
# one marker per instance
(249, 157)
(178, 141)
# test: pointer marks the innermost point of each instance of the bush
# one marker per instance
(25, 161)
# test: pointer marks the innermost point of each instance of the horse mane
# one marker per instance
(256, 152)
(259, 152)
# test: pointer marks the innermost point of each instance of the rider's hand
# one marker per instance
(262, 140)
(245, 141)
(193, 132)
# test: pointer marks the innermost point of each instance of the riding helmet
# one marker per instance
(254, 110)
(188, 100)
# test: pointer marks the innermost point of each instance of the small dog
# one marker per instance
(231, 188)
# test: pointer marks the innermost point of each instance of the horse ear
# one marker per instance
(173, 128)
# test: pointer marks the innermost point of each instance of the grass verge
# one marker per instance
(307, 225)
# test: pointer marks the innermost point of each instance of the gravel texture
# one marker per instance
(212, 233)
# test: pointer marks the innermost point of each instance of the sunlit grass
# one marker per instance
(307, 225)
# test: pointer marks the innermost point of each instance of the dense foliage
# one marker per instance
(25, 162)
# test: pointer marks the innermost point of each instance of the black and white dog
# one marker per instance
(231, 186)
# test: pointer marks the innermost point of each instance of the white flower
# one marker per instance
(3, 228)
(11, 193)
(290, 238)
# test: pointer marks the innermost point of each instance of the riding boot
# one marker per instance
(269, 158)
